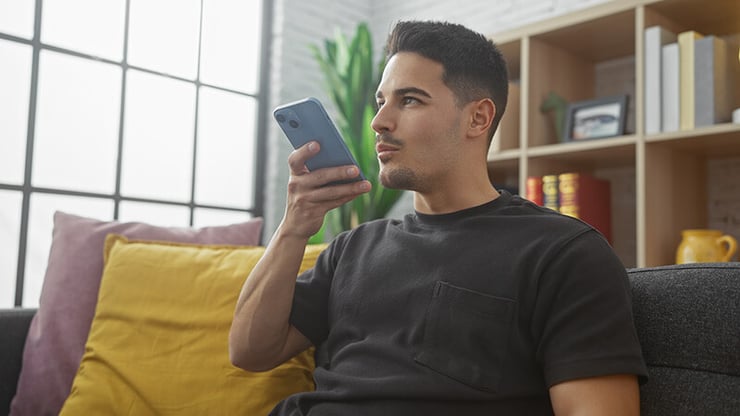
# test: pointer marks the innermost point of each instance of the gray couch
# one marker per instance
(687, 317)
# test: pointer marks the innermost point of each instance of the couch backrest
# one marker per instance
(688, 321)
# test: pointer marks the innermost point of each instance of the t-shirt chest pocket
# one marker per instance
(466, 335)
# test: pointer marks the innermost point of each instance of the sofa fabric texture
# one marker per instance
(14, 325)
(57, 335)
(688, 322)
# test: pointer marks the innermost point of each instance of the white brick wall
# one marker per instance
(295, 74)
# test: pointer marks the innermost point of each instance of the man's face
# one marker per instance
(417, 124)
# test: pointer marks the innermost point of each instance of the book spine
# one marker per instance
(670, 88)
(711, 104)
(568, 194)
(686, 74)
(534, 190)
(655, 38)
(550, 192)
(587, 198)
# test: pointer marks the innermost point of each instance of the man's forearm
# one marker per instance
(261, 336)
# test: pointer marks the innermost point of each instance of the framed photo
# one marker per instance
(595, 119)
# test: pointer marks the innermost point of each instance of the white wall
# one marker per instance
(294, 74)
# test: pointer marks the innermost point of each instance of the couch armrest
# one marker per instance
(686, 317)
(14, 325)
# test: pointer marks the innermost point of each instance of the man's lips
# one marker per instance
(384, 150)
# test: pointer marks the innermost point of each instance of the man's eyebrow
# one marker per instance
(412, 90)
(404, 91)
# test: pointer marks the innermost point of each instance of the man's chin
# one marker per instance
(402, 179)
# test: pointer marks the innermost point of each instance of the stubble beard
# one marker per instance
(399, 178)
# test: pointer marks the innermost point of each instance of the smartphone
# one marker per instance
(306, 120)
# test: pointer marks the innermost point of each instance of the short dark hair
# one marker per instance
(474, 68)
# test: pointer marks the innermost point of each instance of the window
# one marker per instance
(135, 110)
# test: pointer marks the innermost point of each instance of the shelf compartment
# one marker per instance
(677, 177)
(586, 54)
(596, 40)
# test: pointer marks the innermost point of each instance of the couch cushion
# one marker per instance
(688, 321)
(158, 344)
(56, 338)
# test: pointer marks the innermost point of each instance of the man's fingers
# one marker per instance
(310, 187)
(328, 175)
(341, 192)
(297, 159)
(299, 172)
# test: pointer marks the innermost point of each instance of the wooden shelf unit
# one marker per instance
(659, 182)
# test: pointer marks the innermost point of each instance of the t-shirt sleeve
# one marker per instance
(309, 313)
(583, 318)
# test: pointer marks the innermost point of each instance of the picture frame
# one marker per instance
(596, 119)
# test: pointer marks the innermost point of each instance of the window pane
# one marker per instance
(158, 214)
(16, 17)
(204, 217)
(232, 32)
(163, 36)
(41, 224)
(90, 26)
(225, 161)
(15, 77)
(158, 137)
(10, 225)
(76, 124)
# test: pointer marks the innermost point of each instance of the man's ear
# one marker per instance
(482, 113)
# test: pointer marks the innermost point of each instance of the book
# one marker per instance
(534, 190)
(712, 95)
(655, 38)
(686, 75)
(587, 198)
(550, 192)
(670, 86)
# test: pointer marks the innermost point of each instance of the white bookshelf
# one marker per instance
(661, 183)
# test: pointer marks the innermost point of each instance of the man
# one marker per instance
(478, 303)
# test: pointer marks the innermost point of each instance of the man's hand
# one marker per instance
(308, 199)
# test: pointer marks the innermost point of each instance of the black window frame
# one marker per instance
(27, 189)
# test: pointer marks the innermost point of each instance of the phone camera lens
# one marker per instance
(280, 118)
(293, 124)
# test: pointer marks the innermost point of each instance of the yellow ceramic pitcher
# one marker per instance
(704, 246)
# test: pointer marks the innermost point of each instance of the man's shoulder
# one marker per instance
(539, 217)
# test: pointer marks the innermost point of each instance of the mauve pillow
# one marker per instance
(58, 332)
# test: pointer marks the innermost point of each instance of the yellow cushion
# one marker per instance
(158, 344)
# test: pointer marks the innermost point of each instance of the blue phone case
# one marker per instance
(306, 120)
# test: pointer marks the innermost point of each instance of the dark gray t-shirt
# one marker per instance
(474, 312)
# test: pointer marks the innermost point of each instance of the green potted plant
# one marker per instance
(351, 79)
